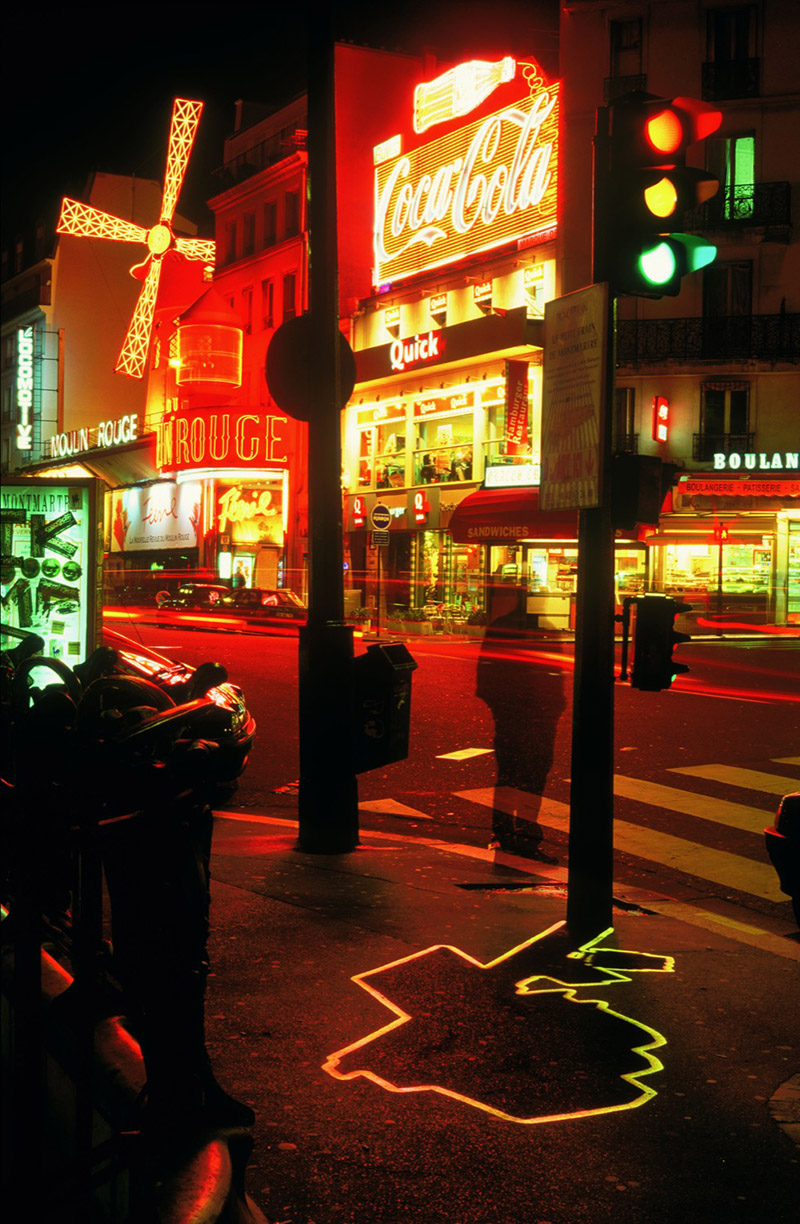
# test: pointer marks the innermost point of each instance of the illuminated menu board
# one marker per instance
(51, 565)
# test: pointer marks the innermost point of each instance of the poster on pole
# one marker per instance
(572, 399)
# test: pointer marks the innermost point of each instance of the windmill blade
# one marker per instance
(185, 118)
(133, 354)
(197, 248)
(87, 222)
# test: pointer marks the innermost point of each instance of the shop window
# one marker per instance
(444, 448)
(268, 303)
(290, 295)
(270, 223)
(390, 453)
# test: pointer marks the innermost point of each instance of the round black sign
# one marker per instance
(290, 360)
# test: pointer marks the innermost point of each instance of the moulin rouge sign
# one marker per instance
(205, 439)
(476, 187)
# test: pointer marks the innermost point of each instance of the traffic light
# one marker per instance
(654, 639)
(648, 188)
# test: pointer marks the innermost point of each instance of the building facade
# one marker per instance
(707, 380)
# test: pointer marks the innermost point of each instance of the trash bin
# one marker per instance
(382, 705)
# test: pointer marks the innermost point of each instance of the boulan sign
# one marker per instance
(475, 188)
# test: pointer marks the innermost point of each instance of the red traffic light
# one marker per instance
(682, 123)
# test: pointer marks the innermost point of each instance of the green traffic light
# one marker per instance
(658, 264)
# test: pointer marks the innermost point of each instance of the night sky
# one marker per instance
(79, 95)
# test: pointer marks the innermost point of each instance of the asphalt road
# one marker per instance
(698, 769)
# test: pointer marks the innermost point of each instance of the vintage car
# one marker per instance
(205, 596)
(278, 604)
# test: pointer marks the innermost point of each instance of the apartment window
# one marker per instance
(724, 419)
(731, 69)
(732, 160)
(292, 213)
(268, 303)
(728, 290)
(625, 436)
(270, 223)
(230, 241)
(18, 255)
(289, 295)
(625, 38)
(249, 234)
(247, 309)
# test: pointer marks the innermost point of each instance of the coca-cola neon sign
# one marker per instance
(479, 187)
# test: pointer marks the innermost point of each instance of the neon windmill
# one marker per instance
(87, 222)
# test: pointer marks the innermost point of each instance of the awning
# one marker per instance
(501, 516)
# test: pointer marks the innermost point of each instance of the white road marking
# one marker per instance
(740, 931)
(463, 754)
(721, 811)
(719, 866)
(391, 807)
(754, 779)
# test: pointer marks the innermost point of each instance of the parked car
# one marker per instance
(205, 596)
(783, 848)
(279, 604)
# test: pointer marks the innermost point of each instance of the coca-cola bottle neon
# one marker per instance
(459, 90)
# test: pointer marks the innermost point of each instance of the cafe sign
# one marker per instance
(476, 188)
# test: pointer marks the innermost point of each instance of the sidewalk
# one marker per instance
(459, 1087)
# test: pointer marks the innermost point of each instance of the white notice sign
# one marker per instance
(572, 399)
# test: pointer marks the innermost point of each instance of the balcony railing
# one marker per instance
(758, 204)
(706, 445)
(730, 338)
(738, 78)
(617, 86)
(260, 157)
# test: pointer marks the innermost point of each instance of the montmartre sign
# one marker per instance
(474, 188)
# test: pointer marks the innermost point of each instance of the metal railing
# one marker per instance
(271, 151)
(706, 445)
(757, 204)
(729, 338)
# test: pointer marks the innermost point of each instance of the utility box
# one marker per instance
(381, 705)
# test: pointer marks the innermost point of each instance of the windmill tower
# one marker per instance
(86, 222)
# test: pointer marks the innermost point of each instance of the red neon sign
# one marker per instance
(474, 189)
(222, 438)
(660, 418)
(359, 511)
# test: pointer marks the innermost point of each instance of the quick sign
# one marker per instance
(482, 186)
(416, 351)
(25, 388)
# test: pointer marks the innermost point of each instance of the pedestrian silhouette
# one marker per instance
(526, 698)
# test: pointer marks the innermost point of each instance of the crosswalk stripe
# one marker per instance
(707, 807)
(391, 807)
(719, 866)
(786, 760)
(754, 779)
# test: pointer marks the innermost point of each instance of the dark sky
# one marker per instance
(82, 92)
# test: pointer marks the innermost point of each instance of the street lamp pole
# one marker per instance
(328, 794)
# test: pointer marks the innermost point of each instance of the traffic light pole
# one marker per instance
(591, 834)
(328, 793)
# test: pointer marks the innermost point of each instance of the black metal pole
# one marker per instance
(328, 793)
(591, 834)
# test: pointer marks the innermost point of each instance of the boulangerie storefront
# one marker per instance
(731, 544)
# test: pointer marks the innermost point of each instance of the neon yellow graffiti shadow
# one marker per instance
(587, 952)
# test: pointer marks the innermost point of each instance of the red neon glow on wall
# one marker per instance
(211, 438)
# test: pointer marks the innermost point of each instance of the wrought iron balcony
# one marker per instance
(767, 205)
(617, 86)
(736, 78)
(706, 445)
(729, 338)
(626, 443)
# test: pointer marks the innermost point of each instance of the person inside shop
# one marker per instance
(526, 703)
(428, 470)
(461, 467)
(239, 578)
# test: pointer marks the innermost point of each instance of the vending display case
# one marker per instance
(52, 562)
